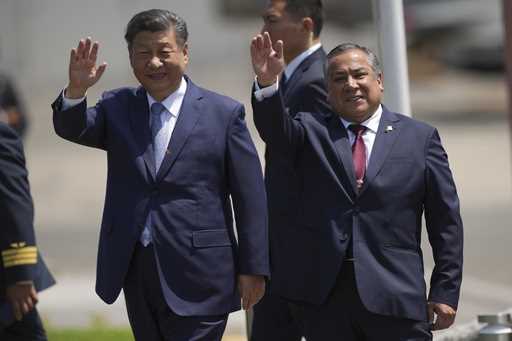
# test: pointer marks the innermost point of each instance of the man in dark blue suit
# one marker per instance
(298, 23)
(355, 267)
(22, 270)
(178, 155)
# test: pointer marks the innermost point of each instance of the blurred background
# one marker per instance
(456, 70)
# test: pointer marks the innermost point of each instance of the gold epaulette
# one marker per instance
(19, 254)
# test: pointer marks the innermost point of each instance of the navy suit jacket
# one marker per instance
(408, 175)
(20, 260)
(210, 159)
(304, 91)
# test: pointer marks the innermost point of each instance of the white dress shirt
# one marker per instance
(372, 125)
(288, 71)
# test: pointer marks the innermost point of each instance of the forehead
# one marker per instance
(350, 59)
(145, 38)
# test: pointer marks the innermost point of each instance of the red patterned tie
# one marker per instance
(359, 153)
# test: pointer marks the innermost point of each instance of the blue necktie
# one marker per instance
(157, 133)
(158, 137)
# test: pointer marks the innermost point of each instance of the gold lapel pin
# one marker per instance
(388, 129)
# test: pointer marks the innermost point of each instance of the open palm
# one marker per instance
(267, 60)
(83, 72)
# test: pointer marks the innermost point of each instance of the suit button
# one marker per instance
(356, 210)
(344, 236)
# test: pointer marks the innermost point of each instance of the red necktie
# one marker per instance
(359, 153)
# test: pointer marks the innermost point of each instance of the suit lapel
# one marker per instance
(387, 133)
(339, 137)
(139, 118)
(187, 119)
(303, 67)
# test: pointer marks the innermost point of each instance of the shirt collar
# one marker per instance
(292, 66)
(371, 123)
(172, 103)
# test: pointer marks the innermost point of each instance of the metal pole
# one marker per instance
(389, 18)
(507, 20)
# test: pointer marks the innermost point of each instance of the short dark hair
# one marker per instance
(308, 8)
(373, 60)
(155, 20)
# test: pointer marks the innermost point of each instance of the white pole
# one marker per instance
(389, 18)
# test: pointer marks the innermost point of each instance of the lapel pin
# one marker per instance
(388, 129)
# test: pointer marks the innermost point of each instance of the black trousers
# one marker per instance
(30, 328)
(343, 317)
(274, 321)
(150, 317)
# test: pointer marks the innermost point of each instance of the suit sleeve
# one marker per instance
(80, 124)
(249, 199)
(17, 239)
(444, 225)
(276, 127)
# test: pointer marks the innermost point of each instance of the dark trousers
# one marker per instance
(150, 317)
(343, 317)
(274, 321)
(30, 328)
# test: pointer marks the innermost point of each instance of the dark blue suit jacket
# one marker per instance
(20, 260)
(408, 175)
(304, 91)
(210, 158)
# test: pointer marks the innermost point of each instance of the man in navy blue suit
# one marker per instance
(355, 266)
(22, 270)
(298, 23)
(178, 155)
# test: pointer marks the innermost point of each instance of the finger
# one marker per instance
(16, 310)
(87, 48)
(279, 49)
(33, 295)
(267, 43)
(24, 307)
(259, 42)
(94, 52)
(254, 47)
(80, 49)
(100, 71)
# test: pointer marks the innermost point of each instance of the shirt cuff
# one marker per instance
(261, 93)
(69, 102)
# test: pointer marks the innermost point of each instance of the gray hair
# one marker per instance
(373, 60)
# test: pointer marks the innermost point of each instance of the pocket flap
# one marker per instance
(210, 238)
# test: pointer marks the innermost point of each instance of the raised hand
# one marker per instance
(83, 72)
(267, 60)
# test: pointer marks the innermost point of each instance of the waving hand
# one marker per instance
(83, 72)
(267, 60)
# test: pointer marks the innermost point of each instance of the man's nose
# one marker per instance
(351, 83)
(155, 62)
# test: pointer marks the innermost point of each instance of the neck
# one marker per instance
(291, 55)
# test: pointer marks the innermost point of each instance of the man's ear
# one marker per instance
(185, 52)
(380, 79)
(308, 24)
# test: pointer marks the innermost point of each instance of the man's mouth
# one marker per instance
(156, 76)
(355, 99)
